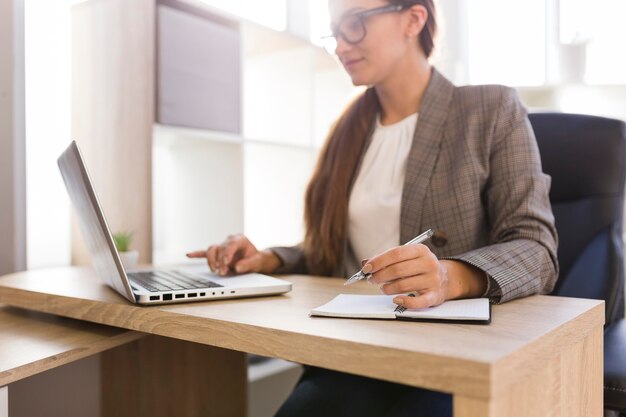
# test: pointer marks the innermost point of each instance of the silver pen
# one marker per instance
(418, 239)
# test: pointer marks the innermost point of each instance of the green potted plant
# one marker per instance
(128, 256)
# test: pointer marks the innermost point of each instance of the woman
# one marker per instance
(411, 153)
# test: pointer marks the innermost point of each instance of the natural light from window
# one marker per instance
(48, 92)
(598, 30)
(320, 20)
(507, 42)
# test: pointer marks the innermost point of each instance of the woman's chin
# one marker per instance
(362, 76)
(359, 80)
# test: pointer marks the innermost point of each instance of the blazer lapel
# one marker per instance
(424, 152)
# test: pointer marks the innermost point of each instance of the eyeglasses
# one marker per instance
(352, 29)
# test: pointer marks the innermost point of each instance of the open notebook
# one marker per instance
(476, 310)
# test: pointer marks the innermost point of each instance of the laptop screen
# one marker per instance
(91, 221)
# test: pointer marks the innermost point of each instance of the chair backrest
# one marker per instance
(586, 158)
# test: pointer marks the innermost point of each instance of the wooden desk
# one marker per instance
(31, 343)
(541, 356)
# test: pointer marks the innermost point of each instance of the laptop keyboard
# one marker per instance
(169, 280)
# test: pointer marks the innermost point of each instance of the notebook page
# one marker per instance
(358, 306)
(470, 309)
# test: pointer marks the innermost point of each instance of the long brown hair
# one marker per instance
(327, 195)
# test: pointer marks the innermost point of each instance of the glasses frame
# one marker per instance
(336, 32)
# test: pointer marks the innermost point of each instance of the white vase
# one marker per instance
(573, 62)
(129, 259)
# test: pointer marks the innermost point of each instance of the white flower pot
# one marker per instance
(573, 62)
(129, 259)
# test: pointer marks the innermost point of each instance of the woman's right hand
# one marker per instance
(238, 255)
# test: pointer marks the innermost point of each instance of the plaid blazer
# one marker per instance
(474, 176)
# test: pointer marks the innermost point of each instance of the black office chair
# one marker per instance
(586, 157)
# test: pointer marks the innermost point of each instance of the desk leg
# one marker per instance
(570, 383)
(4, 401)
(158, 376)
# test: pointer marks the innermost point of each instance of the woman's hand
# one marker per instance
(238, 255)
(414, 268)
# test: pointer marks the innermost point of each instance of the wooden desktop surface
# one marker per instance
(533, 346)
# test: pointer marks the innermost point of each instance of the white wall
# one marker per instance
(197, 192)
(12, 176)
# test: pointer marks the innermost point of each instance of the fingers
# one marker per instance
(394, 256)
(413, 267)
(424, 263)
(209, 254)
(425, 300)
(223, 258)
(404, 269)
(227, 256)
(418, 283)
(249, 264)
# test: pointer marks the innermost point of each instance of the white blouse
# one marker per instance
(375, 200)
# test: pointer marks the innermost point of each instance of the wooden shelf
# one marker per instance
(170, 135)
(32, 342)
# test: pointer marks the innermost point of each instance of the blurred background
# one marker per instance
(243, 96)
(202, 118)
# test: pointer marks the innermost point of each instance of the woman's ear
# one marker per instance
(418, 15)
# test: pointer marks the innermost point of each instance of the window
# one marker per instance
(48, 94)
(320, 20)
(597, 30)
(507, 42)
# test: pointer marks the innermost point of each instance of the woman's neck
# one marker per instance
(400, 95)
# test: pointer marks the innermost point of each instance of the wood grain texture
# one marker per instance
(158, 376)
(470, 360)
(31, 342)
(567, 383)
(113, 95)
(582, 377)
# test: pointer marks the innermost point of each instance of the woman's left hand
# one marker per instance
(415, 269)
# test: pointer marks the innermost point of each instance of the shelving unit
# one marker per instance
(270, 367)
(269, 383)
(208, 183)
(291, 92)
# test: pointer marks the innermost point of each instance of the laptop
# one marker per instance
(148, 286)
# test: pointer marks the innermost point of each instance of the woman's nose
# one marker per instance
(342, 46)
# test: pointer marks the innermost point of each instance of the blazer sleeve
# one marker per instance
(520, 258)
(292, 259)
